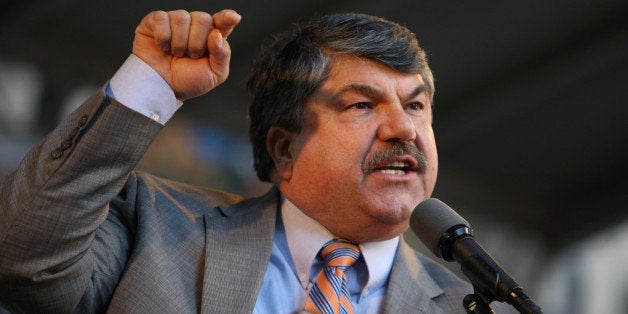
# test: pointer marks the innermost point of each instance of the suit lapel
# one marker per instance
(411, 289)
(237, 250)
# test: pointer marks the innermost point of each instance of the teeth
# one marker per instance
(398, 164)
(395, 167)
(392, 171)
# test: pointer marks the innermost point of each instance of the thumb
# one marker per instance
(219, 55)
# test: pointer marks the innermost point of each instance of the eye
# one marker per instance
(416, 106)
(361, 105)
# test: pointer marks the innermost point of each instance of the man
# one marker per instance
(340, 124)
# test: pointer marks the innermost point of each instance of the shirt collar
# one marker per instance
(306, 236)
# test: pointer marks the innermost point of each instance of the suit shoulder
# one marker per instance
(453, 285)
(144, 185)
(443, 276)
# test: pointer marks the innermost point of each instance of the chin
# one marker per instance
(394, 216)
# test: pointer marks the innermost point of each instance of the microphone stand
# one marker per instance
(490, 283)
(474, 303)
(478, 302)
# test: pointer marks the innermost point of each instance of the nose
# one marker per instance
(396, 125)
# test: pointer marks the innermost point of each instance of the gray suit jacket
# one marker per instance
(80, 231)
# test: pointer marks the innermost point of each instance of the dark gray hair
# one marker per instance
(296, 63)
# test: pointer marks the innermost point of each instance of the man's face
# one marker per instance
(342, 171)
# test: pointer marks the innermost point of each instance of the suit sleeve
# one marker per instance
(53, 208)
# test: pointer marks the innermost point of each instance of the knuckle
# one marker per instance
(179, 17)
(196, 48)
(202, 18)
(158, 16)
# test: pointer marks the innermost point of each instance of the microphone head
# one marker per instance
(432, 220)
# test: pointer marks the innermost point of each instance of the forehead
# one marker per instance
(346, 72)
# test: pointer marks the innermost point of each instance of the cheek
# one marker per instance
(430, 177)
(329, 168)
(426, 142)
(339, 145)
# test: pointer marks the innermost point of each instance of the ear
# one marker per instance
(278, 141)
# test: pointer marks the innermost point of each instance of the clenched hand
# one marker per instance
(188, 49)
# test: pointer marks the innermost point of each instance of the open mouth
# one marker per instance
(398, 159)
(396, 167)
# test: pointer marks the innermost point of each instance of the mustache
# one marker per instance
(378, 158)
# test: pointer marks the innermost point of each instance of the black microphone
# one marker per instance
(449, 236)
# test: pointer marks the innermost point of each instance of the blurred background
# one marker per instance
(531, 117)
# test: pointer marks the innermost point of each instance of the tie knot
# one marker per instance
(340, 253)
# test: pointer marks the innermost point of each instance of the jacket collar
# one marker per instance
(238, 244)
(411, 289)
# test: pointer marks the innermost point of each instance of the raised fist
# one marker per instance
(188, 49)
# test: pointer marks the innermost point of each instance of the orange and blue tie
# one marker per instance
(330, 292)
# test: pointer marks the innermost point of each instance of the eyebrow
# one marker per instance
(372, 92)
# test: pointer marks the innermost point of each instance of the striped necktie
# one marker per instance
(330, 292)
